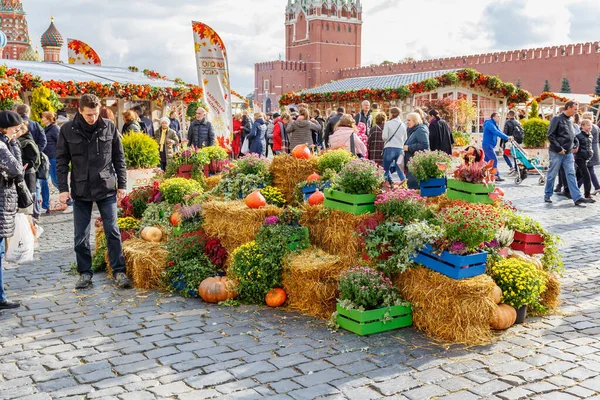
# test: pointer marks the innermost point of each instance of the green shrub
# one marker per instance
(535, 132)
(255, 272)
(175, 189)
(192, 272)
(534, 112)
(215, 153)
(333, 159)
(141, 151)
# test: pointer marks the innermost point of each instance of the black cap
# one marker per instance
(276, 115)
(9, 119)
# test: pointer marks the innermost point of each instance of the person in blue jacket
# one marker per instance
(491, 133)
(258, 134)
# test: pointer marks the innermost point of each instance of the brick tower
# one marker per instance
(14, 24)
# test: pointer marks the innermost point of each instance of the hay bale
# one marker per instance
(145, 262)
(550, 296)
(213, 181)
(333, 230)
(310, 280)
(447, 309)
(233, 222)
(289, 171)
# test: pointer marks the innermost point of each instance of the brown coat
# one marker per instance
(171, 135)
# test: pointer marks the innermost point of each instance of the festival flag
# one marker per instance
(81, 53)
(213, 77)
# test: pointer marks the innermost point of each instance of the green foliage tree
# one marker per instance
(535, 132)
(386, 62)
(597, 89)
(534, 112)
(565, 86)
(190, 113)
(141, 151)
(546, 86)
(42, 100)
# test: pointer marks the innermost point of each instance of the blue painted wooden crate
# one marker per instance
(452, 265)
(310, 189)
(433, 187)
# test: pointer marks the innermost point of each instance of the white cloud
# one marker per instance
(156, 34)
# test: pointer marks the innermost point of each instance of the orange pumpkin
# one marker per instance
(316, 198)
(275, 297)
(313, 177)
(175, 219)
(496, 294)
(504, 317)
(219, 288)
(255, 200)
(301, 151)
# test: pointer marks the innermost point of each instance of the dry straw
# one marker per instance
(333, 231)
(457, 311)
(289, 171)
(213, 181)
(233, 222)
(310, 280)
(145, 262)
(550, 296)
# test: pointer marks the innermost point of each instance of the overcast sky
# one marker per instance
(157, 34)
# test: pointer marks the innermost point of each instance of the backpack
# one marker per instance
(518, 133)
(43, 171)
(38, 158)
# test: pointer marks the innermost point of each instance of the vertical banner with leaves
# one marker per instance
(213, 77)
(81, 53)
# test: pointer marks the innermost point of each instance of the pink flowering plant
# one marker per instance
(425, 165)
(360, 176)
(366, 289)
(402, 205)
(252, 164)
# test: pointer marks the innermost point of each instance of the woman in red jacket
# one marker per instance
(281, 142)
(236, 144)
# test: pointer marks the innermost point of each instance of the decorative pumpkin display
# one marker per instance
(496, 294)
(175, 219)
(504, 317)
(255, 200)
(313, 177)
(219, 288)
(316, 198)
(151, 234)
(301, 151)
(276, 297)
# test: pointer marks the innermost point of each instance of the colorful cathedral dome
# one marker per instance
(30, 55)
(52, 37)
(3, 40)
(11, 5)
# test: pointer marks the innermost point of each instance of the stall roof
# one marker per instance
(85, 73)
(580, 98)
(376, 82)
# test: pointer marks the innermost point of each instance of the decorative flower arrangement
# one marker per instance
(521, 282)
(272, 220)
(333, 160)
(216, 252)
(254, 275)
(173, 190)
(367, 289)
(128, 223)
(425, 165)
(136, 202)
(472, 171)
(188, 274)
(291, 216)
(273, 196)
(402, 205)
(467, 227)
(141, 151)
(186, 246)
(252, 164)
(215, 153)
(360, 176)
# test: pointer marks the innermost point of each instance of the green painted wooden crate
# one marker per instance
(368, 322)
(470, 192)
(356, 204)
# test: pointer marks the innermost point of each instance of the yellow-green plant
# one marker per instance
(141, 151)
(215, 153)
(273, 196)
(174, 190)
(522, 283)
(128, 223)
(43, 99)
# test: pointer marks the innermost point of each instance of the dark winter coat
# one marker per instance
(365, 119)
(98, 162)
(36, 132)
(300, 132)
(148, 126)
(30, 154)
(440, 136)
(133, 126)
(596, 157)
(52, 139)
(418, 139)
(585, 151)
(257, 136)
(201, 134)
(561, 134)
(11, 169)
(174, 124)
(514, 129)
(330, 128)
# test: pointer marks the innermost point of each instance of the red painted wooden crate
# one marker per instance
(528, 243)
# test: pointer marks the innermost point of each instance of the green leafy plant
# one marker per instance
(191, 272)
(190, 113)
(252, 164)
(462, 139)
(522, 283)
(174, 190)
(44, 99)
(366, 288)
(141, 151)
(99, 256)
(273, 196)
(254, 274)
(157, 214)
(403, 205)
(360, 176)
(333, 160)
(534, 112)
(535, 132)
(215, 153)
(234, 186)
(425, 165)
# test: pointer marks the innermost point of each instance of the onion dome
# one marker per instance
(3, 40)
(52, 37)
(30, 55)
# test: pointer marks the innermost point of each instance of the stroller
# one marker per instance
(523, 164)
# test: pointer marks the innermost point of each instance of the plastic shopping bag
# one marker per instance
(20, 246)
(245, 146)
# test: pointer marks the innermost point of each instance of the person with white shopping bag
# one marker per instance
(11, 170)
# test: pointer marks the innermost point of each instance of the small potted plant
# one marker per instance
(429, 168)
(522, 284)
(369, 303)
(175, 189)
(402, 205)
(473, 179)
(142, 159)
(185, 276)
(356, 187)
(458, 253)
(217, 157)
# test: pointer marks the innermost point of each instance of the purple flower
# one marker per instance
(458, 248)
(494, 243)
(272, 220)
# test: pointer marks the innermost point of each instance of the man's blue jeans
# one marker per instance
(2, 292)
(82, 215)
(391, 155)
(491, 155)
(567, 161)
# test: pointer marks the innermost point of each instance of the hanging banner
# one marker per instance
(81, 53)
(213, 77)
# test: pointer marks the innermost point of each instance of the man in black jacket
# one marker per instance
(364, 115)
(563, 143)
(514, 129)
(93, 147)
(201, 133)
(145, 122)
(331, 125)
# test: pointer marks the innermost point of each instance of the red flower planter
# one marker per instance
(528, 243)
(185, 171)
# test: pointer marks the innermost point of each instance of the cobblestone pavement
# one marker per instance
(110, 344)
